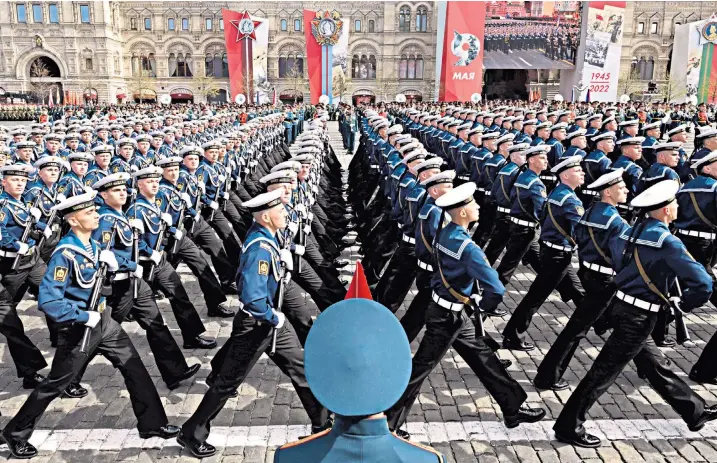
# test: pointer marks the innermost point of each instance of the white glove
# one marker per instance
(156, 257)
(676, 302)
(108, 257)
(225, 195)
(315, 189)
(202, 187)
(187, 199)
(301, 209)
(222, 178)
(133, 168)
(196, 217)
(307, 229)
(311, 216)
(293, 228)
(253, 163)
(476, 299)
(178, 235)
(166, 218)
(286, 259)
(60, 197)
(214, 205)
(138, 272)
(137, 225)
(282, 320)
(47, 232)
(24, 248)
(299, 249)
(35, 213)
(93, 320)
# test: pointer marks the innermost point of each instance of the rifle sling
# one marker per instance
(646, 278)
(560, 229)
(458, 295)
(699, 212)
(597, 247)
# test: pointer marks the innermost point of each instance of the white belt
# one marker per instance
(557, 246)
(481, 189)
(487, 192)
(504, 210)
(590, 193)
(523, 223)
(698, 234)
(464, 177)
(639, 303)
(408, 239)
(624, 206)
(121, 276)
(454, 306)
(425, 266)
(12, 254)
(598, 268)
(548, 177)
(374, 166)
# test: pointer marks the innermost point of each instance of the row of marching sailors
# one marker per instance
(638, 271)
(140, 244)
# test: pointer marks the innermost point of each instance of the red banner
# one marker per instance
(239, 54)
(462, 64)
(313, 58)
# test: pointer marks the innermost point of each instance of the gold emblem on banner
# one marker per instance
(709, 31)
(326, 27)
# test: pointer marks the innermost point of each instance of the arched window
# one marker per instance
(371, 26)
(404, 20)
(649, 68)
(403, 67)
(355, 66)
(179, 65)
(172, 65)
(419, 67)
(422, 19)
(284, 25)
(642, 67)
(410, 66)
(209, 65)
(291, 65)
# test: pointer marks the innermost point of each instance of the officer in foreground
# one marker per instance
(653, 269)
(358, 363)
(65, 293)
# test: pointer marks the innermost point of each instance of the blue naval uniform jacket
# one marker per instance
(122, 245)
(404, 187)
(463, 263)
(171, 201)
(656, 173)
(94, 175)
(150, 214)
(704, 190)
(13, 220)
(665, 259)
(528, 197)
(567, 210)
(356, 441)
(572, 151)
(67, 285)
(556, 151)
(258, 275)
(71, 185)
(479, 157)
(503, 184)
(631, 176)
(209, 175)
(120, 164)
(522, 137)
(463, 160)
(595, 165)
(47, 196)
(490, 171)
(414, 200)
(425, 231)
(606, 224)
(188, 183)
(648, 152)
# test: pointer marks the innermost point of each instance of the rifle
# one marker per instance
(279, 304)
(135, 256)
(50, 218)
(683, 335)
(97, 291)
(197, 208)
(157, 247)
(180, 225)
(26, 233)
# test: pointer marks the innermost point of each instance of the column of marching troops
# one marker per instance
(95, 219)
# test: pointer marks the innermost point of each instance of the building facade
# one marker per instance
(648, 38)
(112, 51)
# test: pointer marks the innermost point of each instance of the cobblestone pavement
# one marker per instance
(454, 412)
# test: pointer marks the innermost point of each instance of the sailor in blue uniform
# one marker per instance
(597, 163)
(651, 132)
(65, 297)
(358, 391)
(707, 137)
(479, 157)
(542, 133)
(557, 135)
(153, 257)
(25, 154)
(122, 160)
(679, 135)
(578, 142)
(527, 200)
(653, 267)
(73, 182)
(100, 168)
(461, 282)
(666, 159)
(527, 131)
(490, 172)
(561, 214)
(263, 269)
(501, 195)
(695, 226)
(598, 228)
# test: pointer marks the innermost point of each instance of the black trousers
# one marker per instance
(208, 241)
(234, 361)
(167, 355)
(48, 246)
(396, 281)
(703, 252)
(28, 275)
(109, 340)
(555, 270)
(297, 312)
(499, 238)
(446, 328)
(599, 290)
(488, 213)
(415, 316)
(629, 341)
(523, 243)
(224, 229)
(25, 355)
(189, 253)
(167, 280)
(320, 292)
